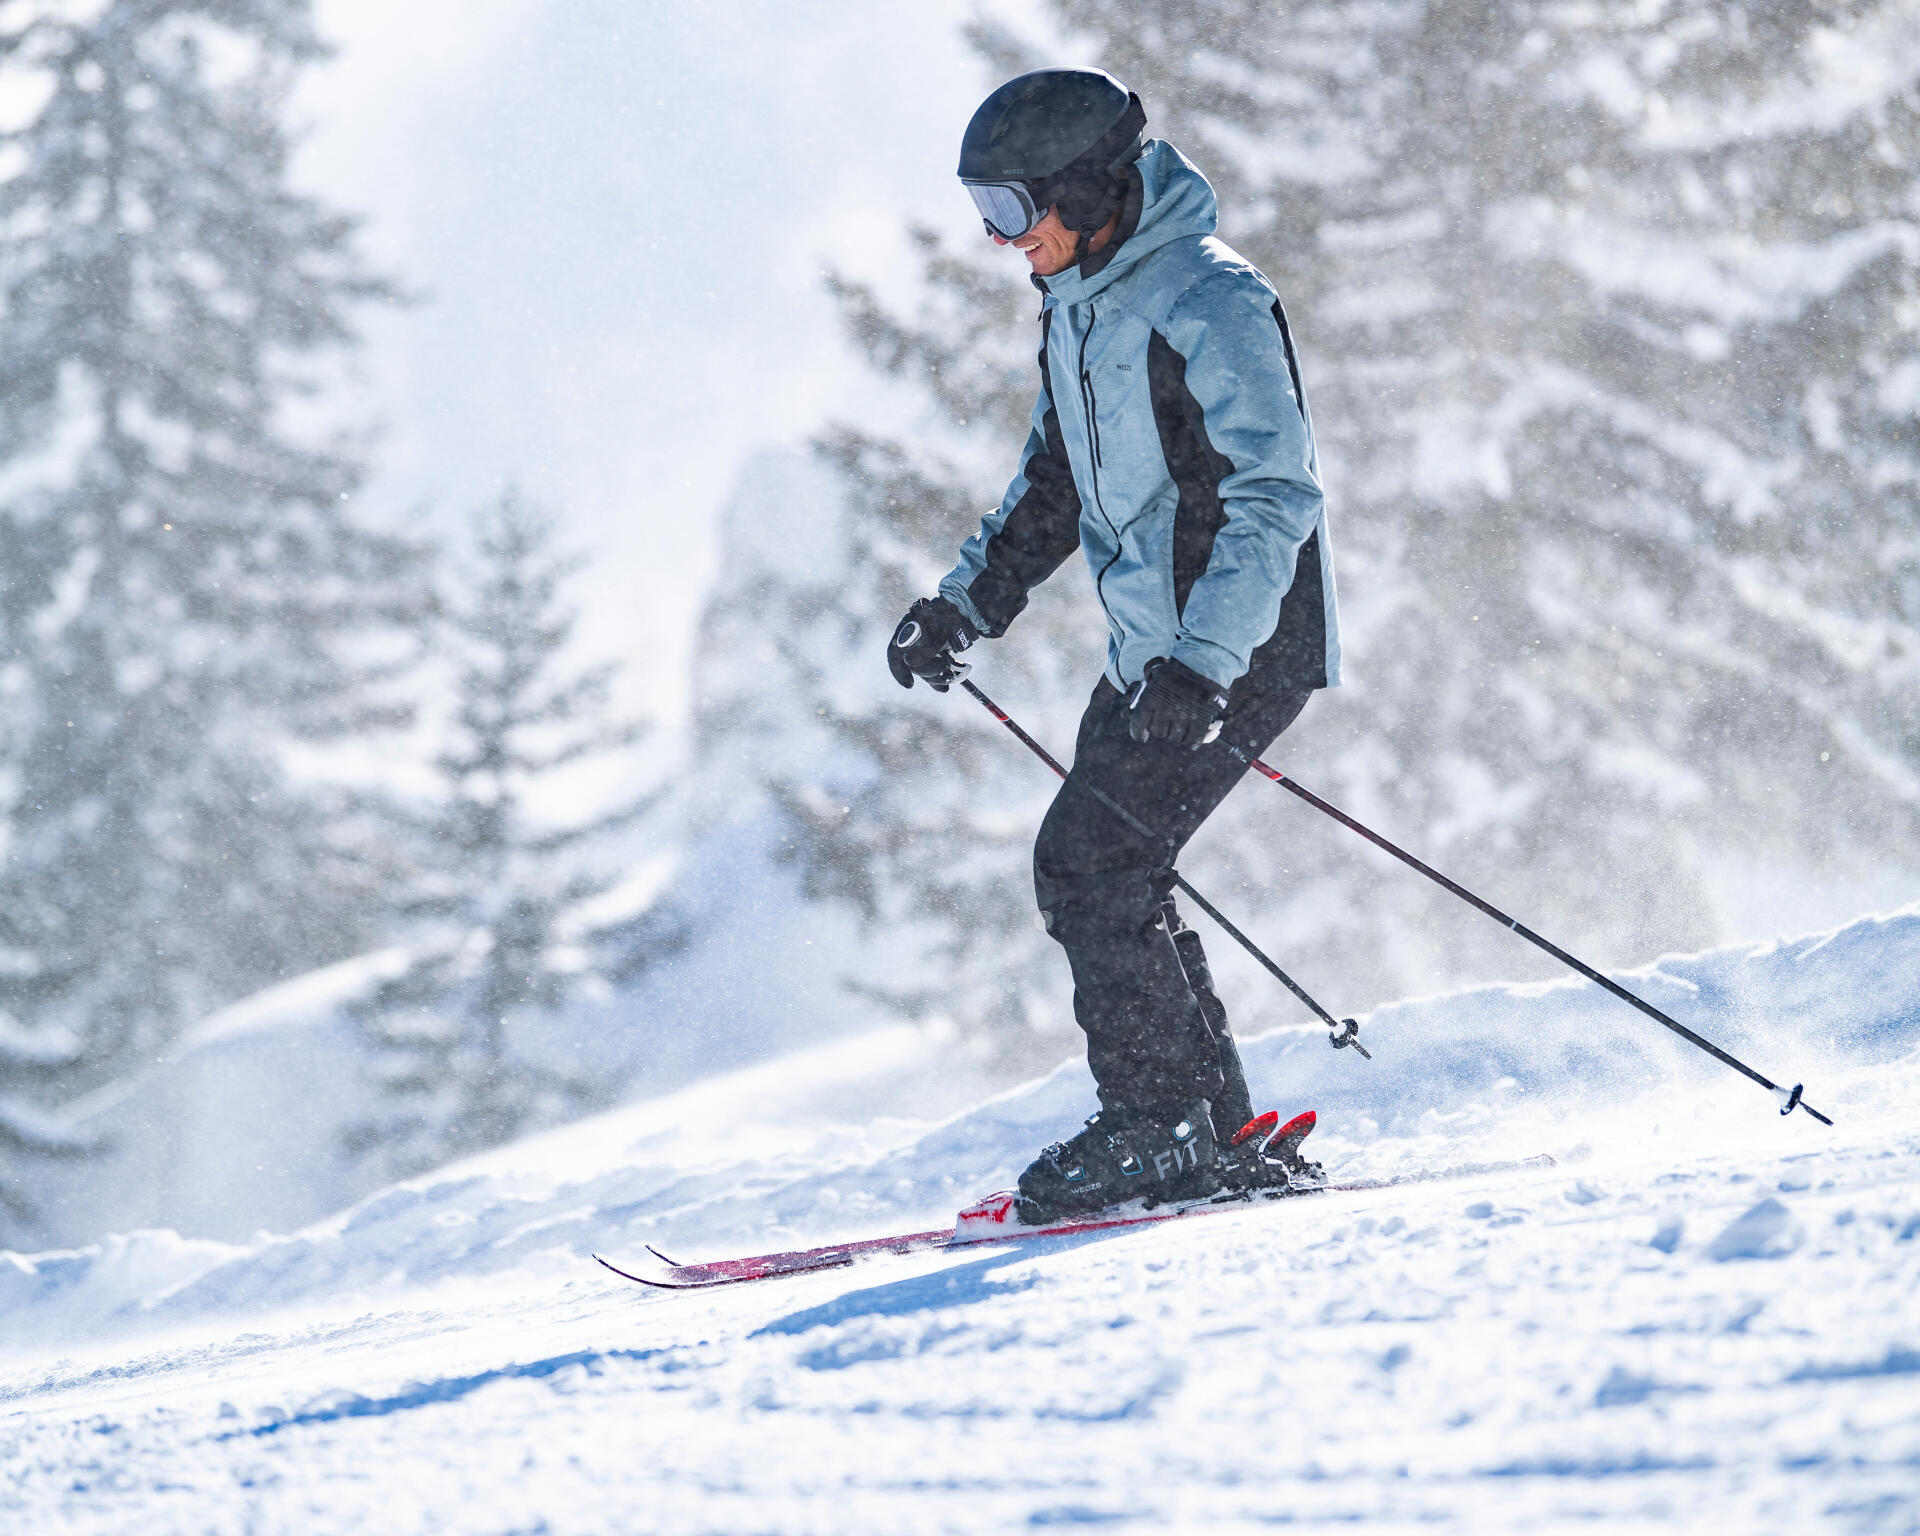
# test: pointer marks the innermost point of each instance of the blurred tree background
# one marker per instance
(191, 601)
(187, 589)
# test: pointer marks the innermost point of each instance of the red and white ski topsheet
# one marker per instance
(994, 1221)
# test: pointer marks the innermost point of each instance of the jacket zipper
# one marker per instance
(1089, 402)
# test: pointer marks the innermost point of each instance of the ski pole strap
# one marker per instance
(1793, 1101)
(1344, 1030)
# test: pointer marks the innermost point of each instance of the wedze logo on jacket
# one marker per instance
(1171, 441)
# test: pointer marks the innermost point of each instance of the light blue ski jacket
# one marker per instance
(1171, 441)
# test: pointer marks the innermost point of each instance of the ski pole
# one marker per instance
(1345, 1031)
(1791, 1099)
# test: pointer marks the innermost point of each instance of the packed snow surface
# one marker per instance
(1700, 1312)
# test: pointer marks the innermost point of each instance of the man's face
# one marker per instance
(1048, 246)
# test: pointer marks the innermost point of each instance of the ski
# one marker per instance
(992, 1222)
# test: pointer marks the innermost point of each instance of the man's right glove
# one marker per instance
(924, 645)
(1175, 703)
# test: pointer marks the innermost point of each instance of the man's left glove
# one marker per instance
(1175, 703)
(924, 645)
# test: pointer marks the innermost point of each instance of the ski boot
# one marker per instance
(1266, 1155)
(1119, 1156)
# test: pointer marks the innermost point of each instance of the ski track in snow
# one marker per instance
(1702, 1314)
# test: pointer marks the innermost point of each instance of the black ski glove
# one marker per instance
(924, 645)
(1175, 703)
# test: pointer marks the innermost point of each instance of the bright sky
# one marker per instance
(619, 214)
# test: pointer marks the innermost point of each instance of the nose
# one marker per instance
(1000, 239)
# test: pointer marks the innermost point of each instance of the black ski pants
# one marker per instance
(1156, 1036)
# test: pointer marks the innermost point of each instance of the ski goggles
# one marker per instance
(1006, 207)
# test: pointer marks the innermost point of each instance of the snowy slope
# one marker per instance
(1701, 1312)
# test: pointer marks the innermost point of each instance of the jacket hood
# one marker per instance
(1176, 202)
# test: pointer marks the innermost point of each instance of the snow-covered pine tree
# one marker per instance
(183, 577)
(505, 935)
(1608, 323)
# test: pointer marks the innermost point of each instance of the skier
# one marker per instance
(1171, 442)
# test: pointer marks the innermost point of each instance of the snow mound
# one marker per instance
(54, 1293)
(1768, 1231)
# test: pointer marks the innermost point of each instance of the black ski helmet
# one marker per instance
(1052, 138)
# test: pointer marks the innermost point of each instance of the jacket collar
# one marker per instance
(1167, 200)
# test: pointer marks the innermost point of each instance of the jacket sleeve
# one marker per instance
(1022, 541)
(1241, 373)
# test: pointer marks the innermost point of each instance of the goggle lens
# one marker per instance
(1005, 207)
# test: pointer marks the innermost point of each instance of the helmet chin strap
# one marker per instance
(1112, 207)
(1083, 236)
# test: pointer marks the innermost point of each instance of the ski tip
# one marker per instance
(658, 1282)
